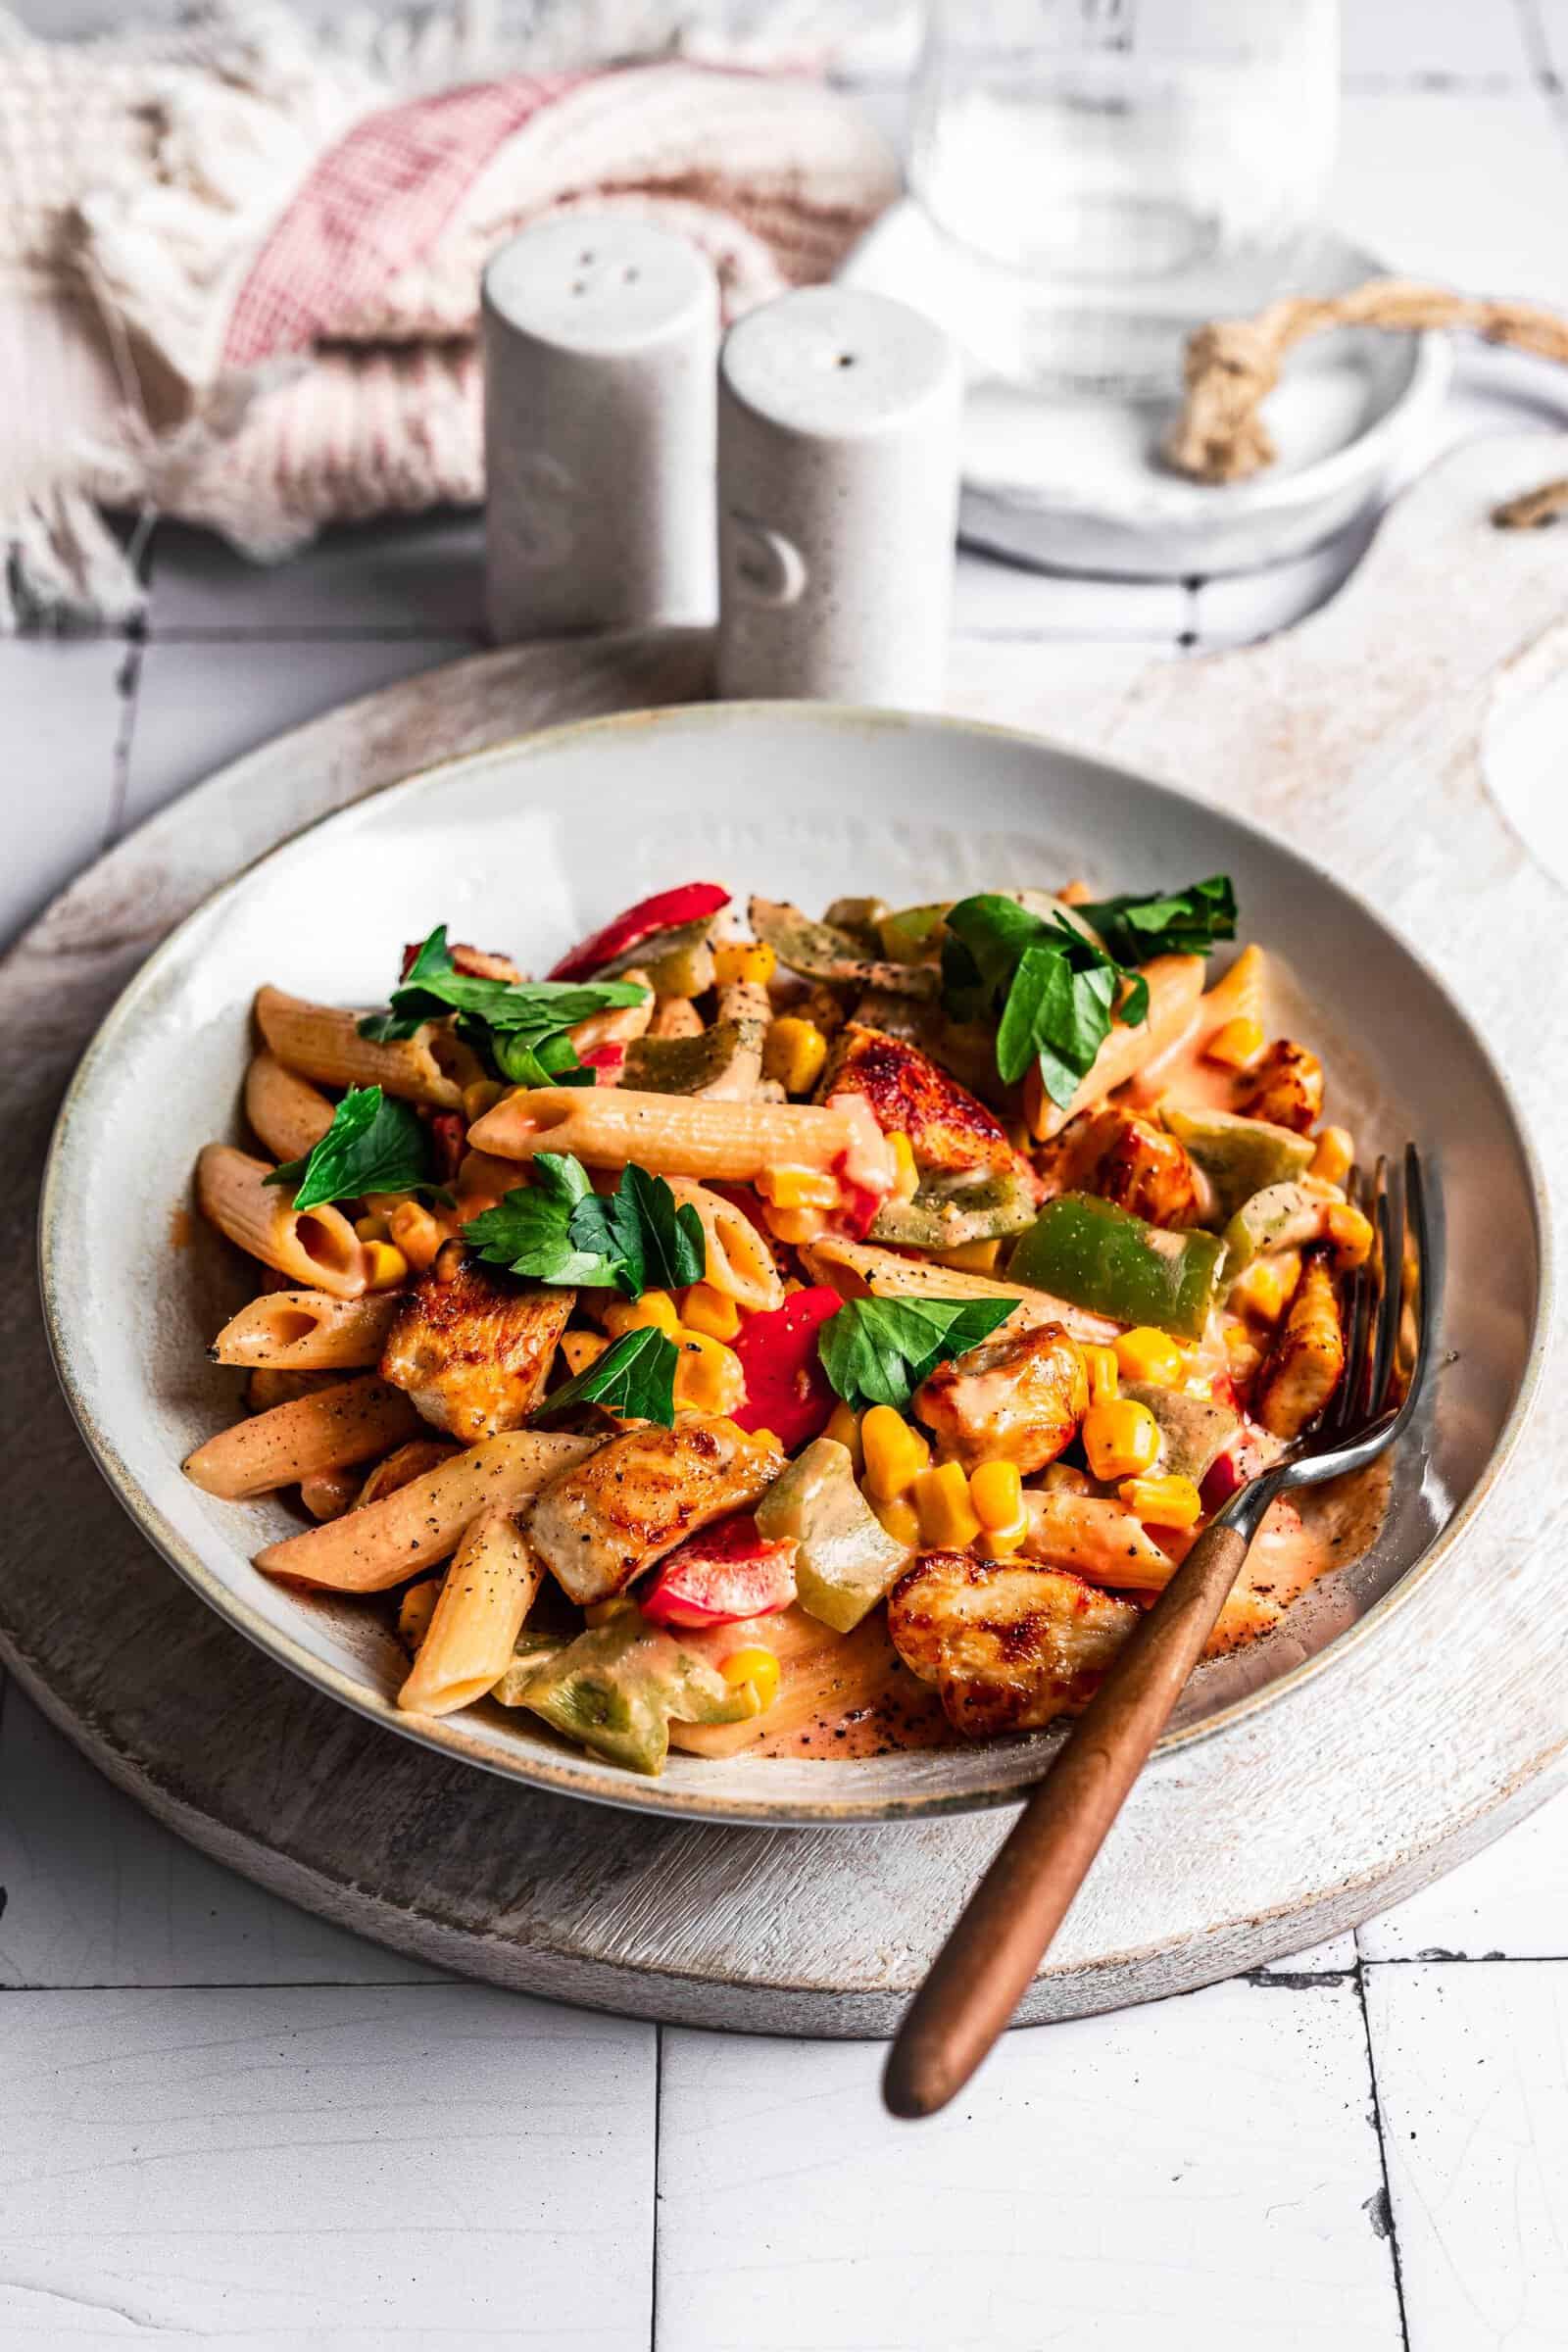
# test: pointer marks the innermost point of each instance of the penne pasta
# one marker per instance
(851, 1268)
(415, 1612)
(489, 1589)
(329, 1493)
(305, 1331)
(674, 1135)
(324, 1043)
(739, 1263)
(1102, 1541)
(383, 1544)
(318, 1246)
(352, 1421)
(266, 1387)
(1175, 985)
(287, 1113)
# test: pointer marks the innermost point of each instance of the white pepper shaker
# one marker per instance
(838, 493)
(599, 339)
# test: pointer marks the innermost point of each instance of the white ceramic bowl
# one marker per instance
(528, 846)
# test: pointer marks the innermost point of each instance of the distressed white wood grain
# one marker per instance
(1156, 2177)
(1473, 2082)
(61, 711)
(1511, 1901)
(198, 704)
(337, 2168)
(96, 1894)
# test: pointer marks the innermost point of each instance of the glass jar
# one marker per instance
(1108, 174)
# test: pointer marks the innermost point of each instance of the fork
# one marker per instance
(990, 1958)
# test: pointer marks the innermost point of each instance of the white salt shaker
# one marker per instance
(838, 491)
(600, 341)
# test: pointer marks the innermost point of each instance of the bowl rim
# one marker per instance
(568, 1773)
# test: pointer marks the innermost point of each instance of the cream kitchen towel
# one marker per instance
(240, 261)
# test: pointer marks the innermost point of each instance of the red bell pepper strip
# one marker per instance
(607, 1061)
(787, 1389)
(450, 1136)
(725, 1574)
(665, 910)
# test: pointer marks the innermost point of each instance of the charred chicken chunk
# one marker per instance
(1129, 1160)
(947, 1126)
(605, 1520)
(1304, 1368)
(1007, 1648)
(473, 1349)
(1285, 1086)
(1019, 1398)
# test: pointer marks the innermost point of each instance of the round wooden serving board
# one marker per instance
(1356, 737)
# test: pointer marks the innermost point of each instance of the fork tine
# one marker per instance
(1390, 1301)
(1426, 1264)
(1346, 1408)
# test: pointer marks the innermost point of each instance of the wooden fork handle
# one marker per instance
(985, 1967)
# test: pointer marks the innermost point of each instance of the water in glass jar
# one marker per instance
(1110, 172)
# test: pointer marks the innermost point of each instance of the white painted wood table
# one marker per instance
(223, 2122)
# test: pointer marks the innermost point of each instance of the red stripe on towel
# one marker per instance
(374, 203)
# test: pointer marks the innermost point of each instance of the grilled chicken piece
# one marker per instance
(1303, 1367)
(1007, 1648)
(947, 1126)
(1129, 1160)
(472, 1349)
(621, 1025)
(1285, 1086)
(605, 1520)
(1021, 1396)
(479, 963)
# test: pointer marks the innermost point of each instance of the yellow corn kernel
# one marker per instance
(708, 1311)
(758, 1667)
(417, 1233)
(905, 1175)
(1144, 1353)
(941, 1504)
(1351, 1236)
(1336, 1150)
(372, 1229)
(582, 1348)
(900, 1520)
(996, 1488)
(384, 1267)
(794, 1053)
(844, 1424)
(748, 961)
(1064, 1478)
(654, 1310)
(895, 1453)
(1268, 1285)
(1121, 1437)
(1102, 1367)
(1236, 1043)
(708, 1378)
(482, 1096)
(1172, 1501)
(969, 1257)
(797, 1226)
(798, 1187)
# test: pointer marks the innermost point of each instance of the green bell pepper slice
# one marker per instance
(1099, 1256)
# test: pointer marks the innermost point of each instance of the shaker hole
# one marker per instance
(846, 359)
(630, 275)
